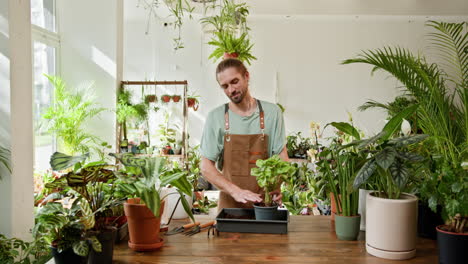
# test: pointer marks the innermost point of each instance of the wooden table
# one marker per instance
(310, 239)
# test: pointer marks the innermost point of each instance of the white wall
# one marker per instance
(303, 51)
(88, 53)
(5, 190)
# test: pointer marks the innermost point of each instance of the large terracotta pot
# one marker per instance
(391, 226)
(143, 226)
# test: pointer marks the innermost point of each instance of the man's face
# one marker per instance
(234, 84)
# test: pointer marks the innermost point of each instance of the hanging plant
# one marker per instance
(151, 98)
(166, 98)
(176, 98)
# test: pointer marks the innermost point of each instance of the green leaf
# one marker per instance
(413, 157)
(60, 161)
(400, 174)
(186, 205)
(394, 124)
(385, 157)
(365, 173)
(433, 203)
(407, 140)
(457, 187)
(371, 140)
(346, 128)
(81, 248)
(95, 244)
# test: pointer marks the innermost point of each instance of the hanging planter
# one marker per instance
(176, 98)
(166, 98)
(193, 102)
(151, 98)
(233, 55)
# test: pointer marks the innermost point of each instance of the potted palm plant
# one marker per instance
(229, 46)
(441, 94)
(339, 167)
(144, 211)
(270, 173)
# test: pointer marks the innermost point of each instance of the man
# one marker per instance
(240, 132)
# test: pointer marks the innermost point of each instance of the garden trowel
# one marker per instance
(181, 229)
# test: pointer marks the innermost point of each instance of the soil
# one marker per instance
(230, 216)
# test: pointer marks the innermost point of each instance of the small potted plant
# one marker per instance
(150, 98)
(270, 173)
(144, 210)
(339, 168)
(229, 46)
(176, 98)
(192, 102)
(166, 98)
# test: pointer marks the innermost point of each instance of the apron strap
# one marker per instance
(226, 118)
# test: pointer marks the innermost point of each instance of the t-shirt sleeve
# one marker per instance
(211, 141)
(279, 133)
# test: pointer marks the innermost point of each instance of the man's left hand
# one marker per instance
(277, 196)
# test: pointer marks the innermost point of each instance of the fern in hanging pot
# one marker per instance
(229, 46)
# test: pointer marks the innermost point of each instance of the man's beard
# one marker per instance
(237, 98)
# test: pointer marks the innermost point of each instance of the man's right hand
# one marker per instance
(244, 196)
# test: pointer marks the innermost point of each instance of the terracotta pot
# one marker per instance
(166, 98)
(176, 98)
(143, 226)
(191, 102)
(391, 226)
(233, 55)
(151, 98)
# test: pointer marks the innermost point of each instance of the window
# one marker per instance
(43, 14)
(46, 47)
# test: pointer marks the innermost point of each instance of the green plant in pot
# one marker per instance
(391, 214)
(229, 46)
(89, 182)
(68, 114)
(144, 210)
(440, 90)
(340, 166)
(270, 174)
(67, 230)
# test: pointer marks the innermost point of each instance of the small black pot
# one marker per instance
(428, 221)
(452, 247)
(107, 238)
(67, 256)
(266, 213)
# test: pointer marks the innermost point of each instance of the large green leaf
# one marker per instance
(347, 128)
(394, 124)
(61, 161)
(152, 199)
(95, 243)
(386, 157)
(399, 173)
(409, 156)
(81, 248)
(186, 205)
(407, 140)
(372, 140)
(365, 173)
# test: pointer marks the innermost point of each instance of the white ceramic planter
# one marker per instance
(171, 201)
(391, 226)
(362, 207)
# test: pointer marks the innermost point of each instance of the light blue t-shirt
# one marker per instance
(213, 133)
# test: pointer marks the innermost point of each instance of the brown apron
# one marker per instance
(240, 155)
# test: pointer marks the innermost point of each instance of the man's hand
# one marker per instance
(244, 196)
(277, 196)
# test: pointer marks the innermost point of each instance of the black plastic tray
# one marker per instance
(251, 225)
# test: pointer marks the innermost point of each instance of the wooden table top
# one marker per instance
(310, 239)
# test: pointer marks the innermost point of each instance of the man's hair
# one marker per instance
(231, 63)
